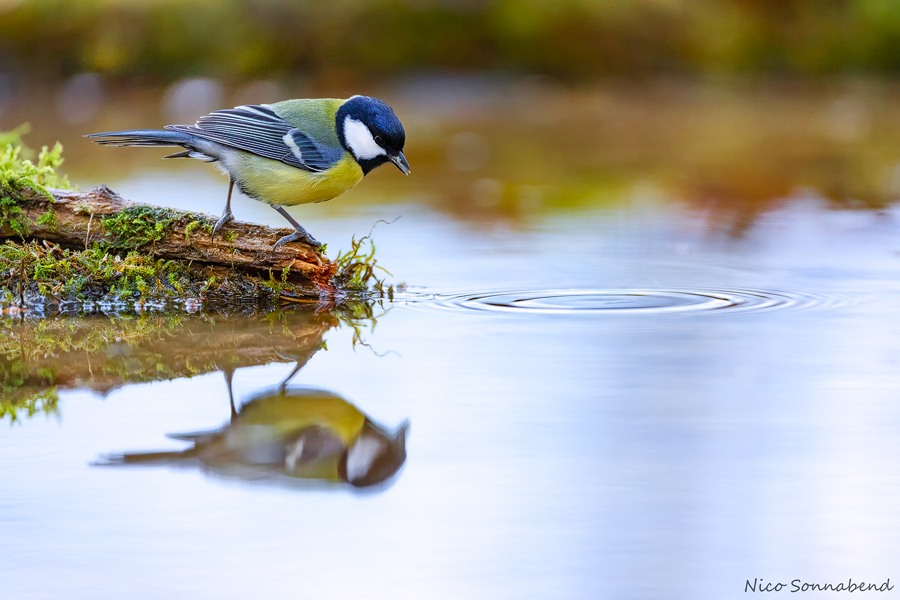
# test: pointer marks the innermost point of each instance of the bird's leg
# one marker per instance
(299, 232)
(297, 367)
(229, 376)
(226, 216)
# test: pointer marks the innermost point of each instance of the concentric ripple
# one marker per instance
(624, 301)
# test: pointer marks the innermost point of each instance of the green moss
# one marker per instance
(51, 337)
(11, 216)
(48, 219)
(18, 174)
(278, 286)
(67, 275)
(139, 226)
(34, 350)
(14, 138)
(16, 406)
(37, 273)
(197, 224)
(356, 269)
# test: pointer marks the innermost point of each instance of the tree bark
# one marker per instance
(78, 222)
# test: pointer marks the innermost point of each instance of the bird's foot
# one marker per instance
(226, 217)
(297, 236)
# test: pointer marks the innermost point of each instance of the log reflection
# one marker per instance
(42, 355)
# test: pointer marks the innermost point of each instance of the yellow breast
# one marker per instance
(295, 411)
(276, 183)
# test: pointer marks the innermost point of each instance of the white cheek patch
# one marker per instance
(360, 140)
(361, 456)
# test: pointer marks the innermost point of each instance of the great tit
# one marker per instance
(288, 434)
(288, 153)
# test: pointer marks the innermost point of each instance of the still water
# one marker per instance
(628, 401)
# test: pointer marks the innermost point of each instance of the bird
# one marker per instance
(287, 153)
(290, 435)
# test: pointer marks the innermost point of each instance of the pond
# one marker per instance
(591, 384)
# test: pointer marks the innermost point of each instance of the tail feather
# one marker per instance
(195, 147)
(196, 437)
(182, 154)
(144, 137)
(152, 458)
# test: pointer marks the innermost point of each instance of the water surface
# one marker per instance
(630, 400)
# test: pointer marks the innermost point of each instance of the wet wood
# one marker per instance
(78, 223)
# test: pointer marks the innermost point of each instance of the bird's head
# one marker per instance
(374, 456)
(372, 133)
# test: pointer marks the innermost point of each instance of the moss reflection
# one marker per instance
(41, 356)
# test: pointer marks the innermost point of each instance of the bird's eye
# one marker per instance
(377, 139)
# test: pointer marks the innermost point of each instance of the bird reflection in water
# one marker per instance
(290, 435)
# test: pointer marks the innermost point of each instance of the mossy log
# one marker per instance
(78, 220)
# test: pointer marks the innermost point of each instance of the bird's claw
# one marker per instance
(226, 217)
(297, 236)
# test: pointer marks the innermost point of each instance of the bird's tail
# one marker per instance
(143, 137)
(146, 458)
(196, 147)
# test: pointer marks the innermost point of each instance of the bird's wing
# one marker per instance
(258, 129)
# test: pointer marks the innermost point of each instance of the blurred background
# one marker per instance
(512, 108)
(648, 343)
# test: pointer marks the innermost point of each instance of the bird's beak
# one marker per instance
(401, 163)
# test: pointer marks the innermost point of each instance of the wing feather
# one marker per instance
(258, 129)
